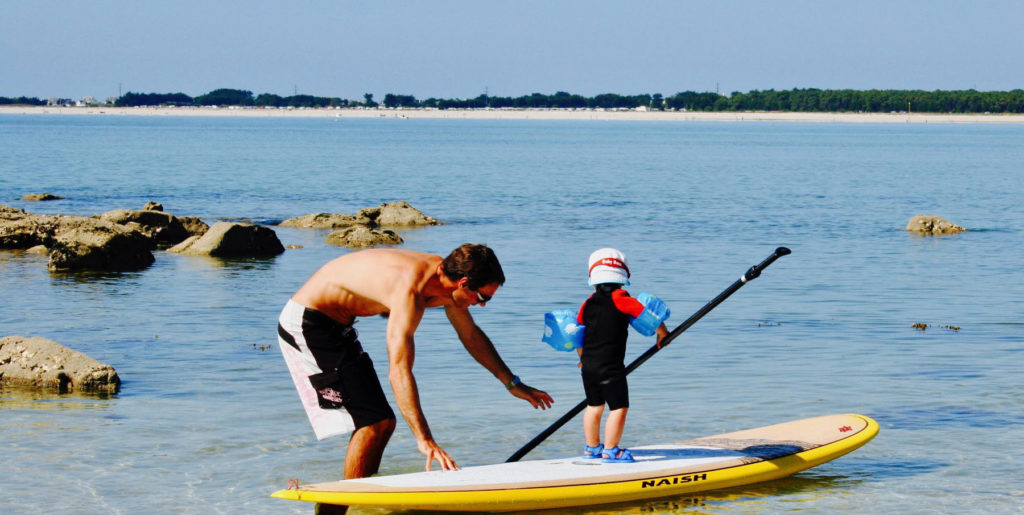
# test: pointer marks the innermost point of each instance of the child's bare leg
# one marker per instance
(592, 424)
(613, 427)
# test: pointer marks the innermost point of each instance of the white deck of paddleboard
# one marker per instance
(649, 459)
(724, 451)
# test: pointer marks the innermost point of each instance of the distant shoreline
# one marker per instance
(524, 114)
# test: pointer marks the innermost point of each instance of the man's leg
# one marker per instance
(366, 447)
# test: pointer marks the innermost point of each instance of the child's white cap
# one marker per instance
(608, 265)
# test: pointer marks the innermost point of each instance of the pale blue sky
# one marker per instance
(457, 49)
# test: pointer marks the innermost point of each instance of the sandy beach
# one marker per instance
(523, 114)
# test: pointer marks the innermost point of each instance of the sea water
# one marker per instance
(207, 420)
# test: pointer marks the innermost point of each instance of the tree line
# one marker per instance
(797, 100)
(22, 101)
(226, 97)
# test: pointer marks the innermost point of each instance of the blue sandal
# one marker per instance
(616, 455)
(593, 453)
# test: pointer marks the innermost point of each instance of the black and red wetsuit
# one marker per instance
(606, 316)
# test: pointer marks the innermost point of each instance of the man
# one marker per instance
(335, 378)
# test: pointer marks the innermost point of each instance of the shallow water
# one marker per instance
(207, 420)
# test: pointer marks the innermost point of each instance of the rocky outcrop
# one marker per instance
(365, 228)
(321, 221)
(100, 246)
(394, 214)
(43, 363)
(226, 239)
(362, 236)
(193, 225)
(41, 197)
(930, 224)
(163, 228)
(20, 230)
(388, 214)
(76, 242)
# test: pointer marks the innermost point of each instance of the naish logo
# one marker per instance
(673, 480)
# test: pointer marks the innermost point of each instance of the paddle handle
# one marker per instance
(748, 276)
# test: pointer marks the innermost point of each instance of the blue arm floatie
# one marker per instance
(561, 330)
(655, 312)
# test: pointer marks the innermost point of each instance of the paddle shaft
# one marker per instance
(750, 275)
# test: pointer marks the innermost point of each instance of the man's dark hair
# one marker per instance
(476, 263)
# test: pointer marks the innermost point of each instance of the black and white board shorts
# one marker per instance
(337, 384)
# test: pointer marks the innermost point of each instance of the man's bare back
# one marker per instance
(365, 283)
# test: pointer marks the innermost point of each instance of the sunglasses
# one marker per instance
(481, 298)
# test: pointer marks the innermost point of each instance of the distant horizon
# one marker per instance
(534, 92)
(794, 100)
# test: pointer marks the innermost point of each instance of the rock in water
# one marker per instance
(226, 239)
(43, 363)
(931, 224)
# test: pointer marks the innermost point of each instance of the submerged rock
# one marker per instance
(41, 197)
(931, 224)
(321, 221)
(43, 363)
(226, 239)
(388, 214)
(362, 236)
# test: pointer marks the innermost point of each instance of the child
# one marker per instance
(606, 316)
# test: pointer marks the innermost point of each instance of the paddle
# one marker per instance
(750, 275)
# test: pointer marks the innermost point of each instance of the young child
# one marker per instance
(606, 316)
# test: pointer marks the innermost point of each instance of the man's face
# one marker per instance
(465, 297)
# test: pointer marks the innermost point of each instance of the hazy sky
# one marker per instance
(460, 49)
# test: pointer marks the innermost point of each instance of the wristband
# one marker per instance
(513, 383)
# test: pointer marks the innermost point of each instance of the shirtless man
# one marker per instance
(335, 378)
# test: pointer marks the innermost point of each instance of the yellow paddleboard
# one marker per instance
(698, 465)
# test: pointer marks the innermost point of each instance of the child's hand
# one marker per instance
(662, 332)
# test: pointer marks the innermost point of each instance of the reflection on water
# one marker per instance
(95, 277)
(25, 398)
(802, 488)
(248, 264)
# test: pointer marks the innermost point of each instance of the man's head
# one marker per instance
(477, 263)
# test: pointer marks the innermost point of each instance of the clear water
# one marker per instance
(208, 422)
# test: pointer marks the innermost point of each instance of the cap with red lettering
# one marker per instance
(608, 265)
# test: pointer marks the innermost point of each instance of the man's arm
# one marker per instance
(480, 347)
(406, 313)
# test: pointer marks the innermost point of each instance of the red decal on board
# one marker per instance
(845, 429)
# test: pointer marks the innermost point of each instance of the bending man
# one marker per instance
(335, 378)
